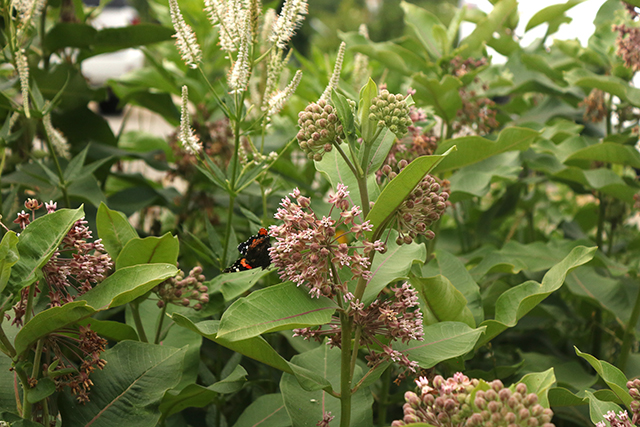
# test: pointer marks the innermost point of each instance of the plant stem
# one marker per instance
(354, 355)
(163, 313)
(345, 371)
(7, 347)
(63, 184)
(629, 334)
(383, 396)
(601, 213)
(135, 312)
(36, 358)
(29, 309)
(24, 381)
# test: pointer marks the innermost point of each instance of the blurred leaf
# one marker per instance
(69, 34)
(9, 256)
(550, 13)
(111, 39)
(133, 381)
(422, 24)
(613, 85)
(276, 308)
(486, 27)
(442, 95)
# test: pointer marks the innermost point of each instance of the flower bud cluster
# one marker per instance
(183, 291)
(619, 420)
(634, 391)
(424, 206)
(448, 403)
(308, 250)
(391, 111)
(320, 128)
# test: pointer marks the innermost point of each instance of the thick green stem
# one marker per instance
(135, 312)
(163, 313)
(36, 359)
(24, 381)
(356, 344)
(345, 371)
(629, 334)
(383, 396)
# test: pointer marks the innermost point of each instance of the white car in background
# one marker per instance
(100, 68)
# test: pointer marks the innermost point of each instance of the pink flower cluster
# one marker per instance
(308, 250)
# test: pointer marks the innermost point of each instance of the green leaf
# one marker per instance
(475, 180)
(442, 95)
(111, 330)
(393, 265)
(345, 114)
(442, 341)
(442, 301)
(612, 376)
(608, 152)
(70, 34)
(9, 256)
(276, 308)
(114, 229)
(256, 348)
(307, 407)
(233, 285)
(266, 411)
(540, 383)
(17, 421)
(392, 55)
(367, 127)
(129, 388)
(513, 304)
(486, 27)
(127, 284)
(38, 242)
(610, 84)
(422, 23)
(399, 188)
(550, 13)
(380, 150)
(45, 388)
(150, 250)
(472, 149)
(197, 396)
(214, 174)
(598, 408)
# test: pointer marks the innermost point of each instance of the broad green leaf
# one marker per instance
(599, 408)
(233, 285)
(17, 421)
(472, 149)
(612, 376)
(345, 114)
(442, 95)
(540, 63)
(38, 242)
(442, 341)
(50, 320)
(609, 152)
(475, 180)
(69, 34)
(127, 284)
(550, 13)
(8, 257)
(114, 229)
(129, 388)
(113, 39)
(610, 84)
(256, 348)
(393, 265)
(602, 179)
(380, 150)
(453, 269)
(559, 396)
(266, 411)
(540, 383)
(276, 308)
(513, 304)
(111, 330)
(45, 388)
(367, 127)
(308, 407)
(197, 396)
(422, 22)
(442, 301)
(150, 250)
(399, 189)
(486, 27)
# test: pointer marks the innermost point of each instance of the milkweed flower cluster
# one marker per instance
(320, 128)
(183, 291)
(308, 251)
(424, 206)
(394, 317)
(448, 403)
(391, 111)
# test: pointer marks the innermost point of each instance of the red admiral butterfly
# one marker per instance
(254, 253)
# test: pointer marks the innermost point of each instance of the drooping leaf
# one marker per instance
(149, 250)
(612, 376)
(442, 301)
(276, 308)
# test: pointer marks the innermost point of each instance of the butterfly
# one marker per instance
(254, 253)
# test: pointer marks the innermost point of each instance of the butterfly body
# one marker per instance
(253, 253)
